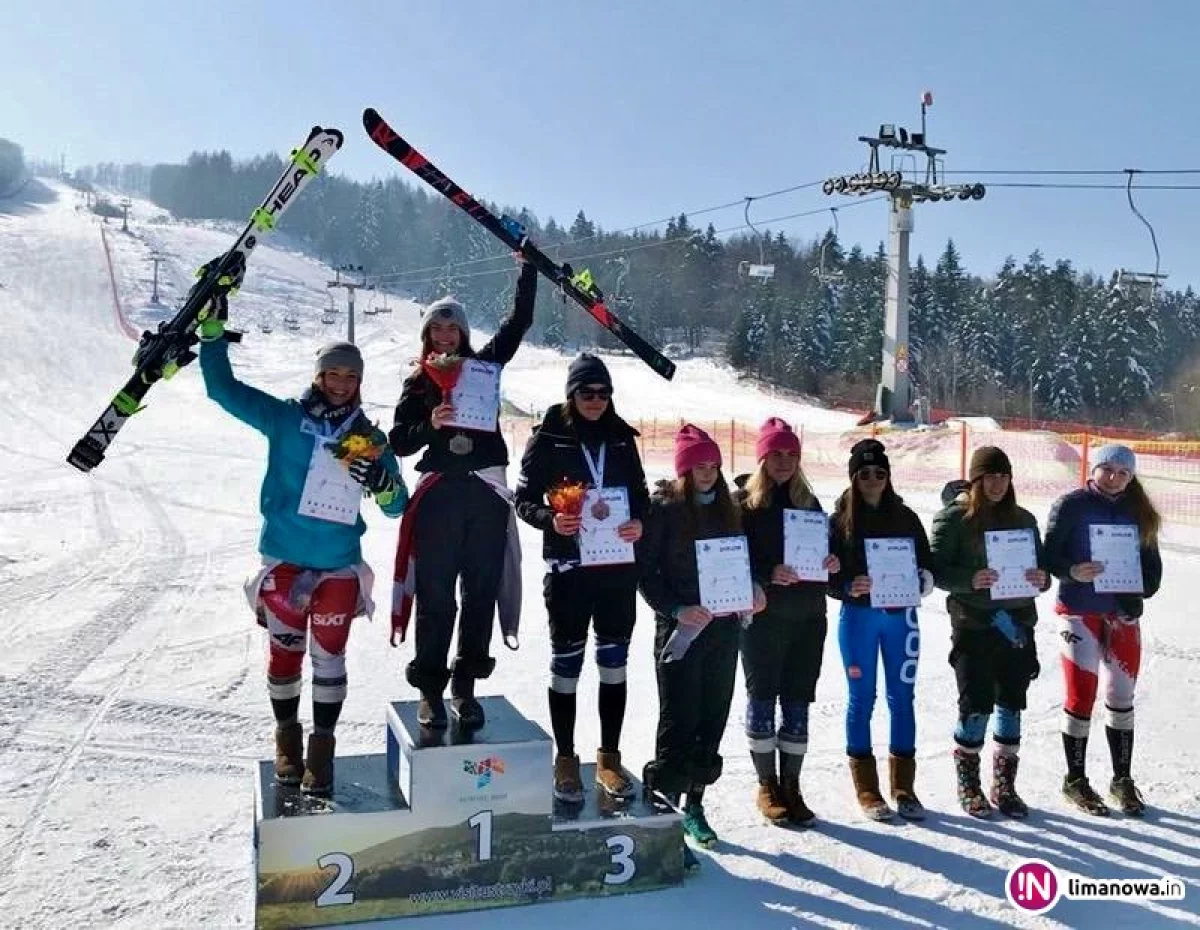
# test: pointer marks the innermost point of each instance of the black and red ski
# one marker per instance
(576, 284)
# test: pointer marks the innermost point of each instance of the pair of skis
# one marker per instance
(160, 354)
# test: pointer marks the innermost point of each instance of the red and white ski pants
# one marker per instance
(1090, 641)
(289, 613)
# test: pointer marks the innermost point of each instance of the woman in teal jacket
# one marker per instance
(322, 456)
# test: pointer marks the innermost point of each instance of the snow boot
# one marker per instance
(696, 825)
(431, 711)
(866, 787)
(467, 710)
(1004, 786)
(970, 792)
(318, 770)
(770, 801)
(289, 753)
(903, 772)
(610, 776)
(568, 786)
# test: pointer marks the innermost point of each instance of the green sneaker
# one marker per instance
(695, 825)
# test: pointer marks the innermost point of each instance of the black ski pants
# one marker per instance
(694, 695)
(461, 535)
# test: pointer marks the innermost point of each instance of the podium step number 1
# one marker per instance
(450, 821)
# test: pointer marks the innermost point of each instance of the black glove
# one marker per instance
(229, 282)
(371, 475)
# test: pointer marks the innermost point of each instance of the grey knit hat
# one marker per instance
(448, 310)
(1116, 455)
(339, 355)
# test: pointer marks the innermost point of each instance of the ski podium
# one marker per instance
(450, 820)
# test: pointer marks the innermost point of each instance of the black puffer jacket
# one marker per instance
(412, 429)
(764, 534)
(554, 453)
(670, 577)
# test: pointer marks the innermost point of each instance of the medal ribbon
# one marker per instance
(595, 465)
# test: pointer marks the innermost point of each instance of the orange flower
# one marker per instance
(567, 497)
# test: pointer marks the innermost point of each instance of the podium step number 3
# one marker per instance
(450, 821)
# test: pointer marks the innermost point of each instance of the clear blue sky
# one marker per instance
(637, 110)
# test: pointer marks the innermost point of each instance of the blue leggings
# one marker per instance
(863, 634)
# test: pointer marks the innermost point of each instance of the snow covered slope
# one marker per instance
(132, 699)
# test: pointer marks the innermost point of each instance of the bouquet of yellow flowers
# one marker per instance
(363, 440)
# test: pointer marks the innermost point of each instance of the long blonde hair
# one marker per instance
(760, 485)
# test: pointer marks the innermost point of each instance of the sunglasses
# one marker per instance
(589, 395)
(871, 474)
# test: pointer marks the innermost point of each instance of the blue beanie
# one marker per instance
(1116, 455)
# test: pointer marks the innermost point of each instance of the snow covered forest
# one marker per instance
(1035, 339)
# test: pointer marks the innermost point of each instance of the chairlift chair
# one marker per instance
(762, 271)
(824, 273)
(1140, 285)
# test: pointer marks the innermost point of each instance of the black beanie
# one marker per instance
(988, 460)
(868, 453)
(585, 370)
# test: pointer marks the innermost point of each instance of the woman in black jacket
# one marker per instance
(695, 652)
(871, 510)
(783, 646)
(460, 511)
(584, 441)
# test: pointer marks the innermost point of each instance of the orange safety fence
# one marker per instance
(1045, 464)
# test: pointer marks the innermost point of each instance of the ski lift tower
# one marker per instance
(893, 397)
(356, 283)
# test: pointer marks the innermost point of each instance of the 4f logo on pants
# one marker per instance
(1071, 637)
(288, 640)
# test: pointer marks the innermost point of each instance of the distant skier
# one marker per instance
(695, 652)
(1098, 628)
(460, 525)
(870, 509)
(582, 442)
(993, 652)
(313, 574)
(782, 648)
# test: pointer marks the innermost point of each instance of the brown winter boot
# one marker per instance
(770, 801)
(289, 753)
(610, 776)
(866, 786)
(318, 772)
(568, 786)
(903, 772)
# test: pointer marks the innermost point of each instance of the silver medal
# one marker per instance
(460, 444)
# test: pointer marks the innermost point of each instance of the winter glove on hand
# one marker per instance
(371, 475)
(216, 313)
(926, 582)
(1002, 620)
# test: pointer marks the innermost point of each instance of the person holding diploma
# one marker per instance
(322, 456)
(695, 652)
(584, 443)
(992, 646)
(460, 523)
(1099, 617)
(870, 509)
(782, 648)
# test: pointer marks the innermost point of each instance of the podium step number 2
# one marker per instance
(450, 821)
